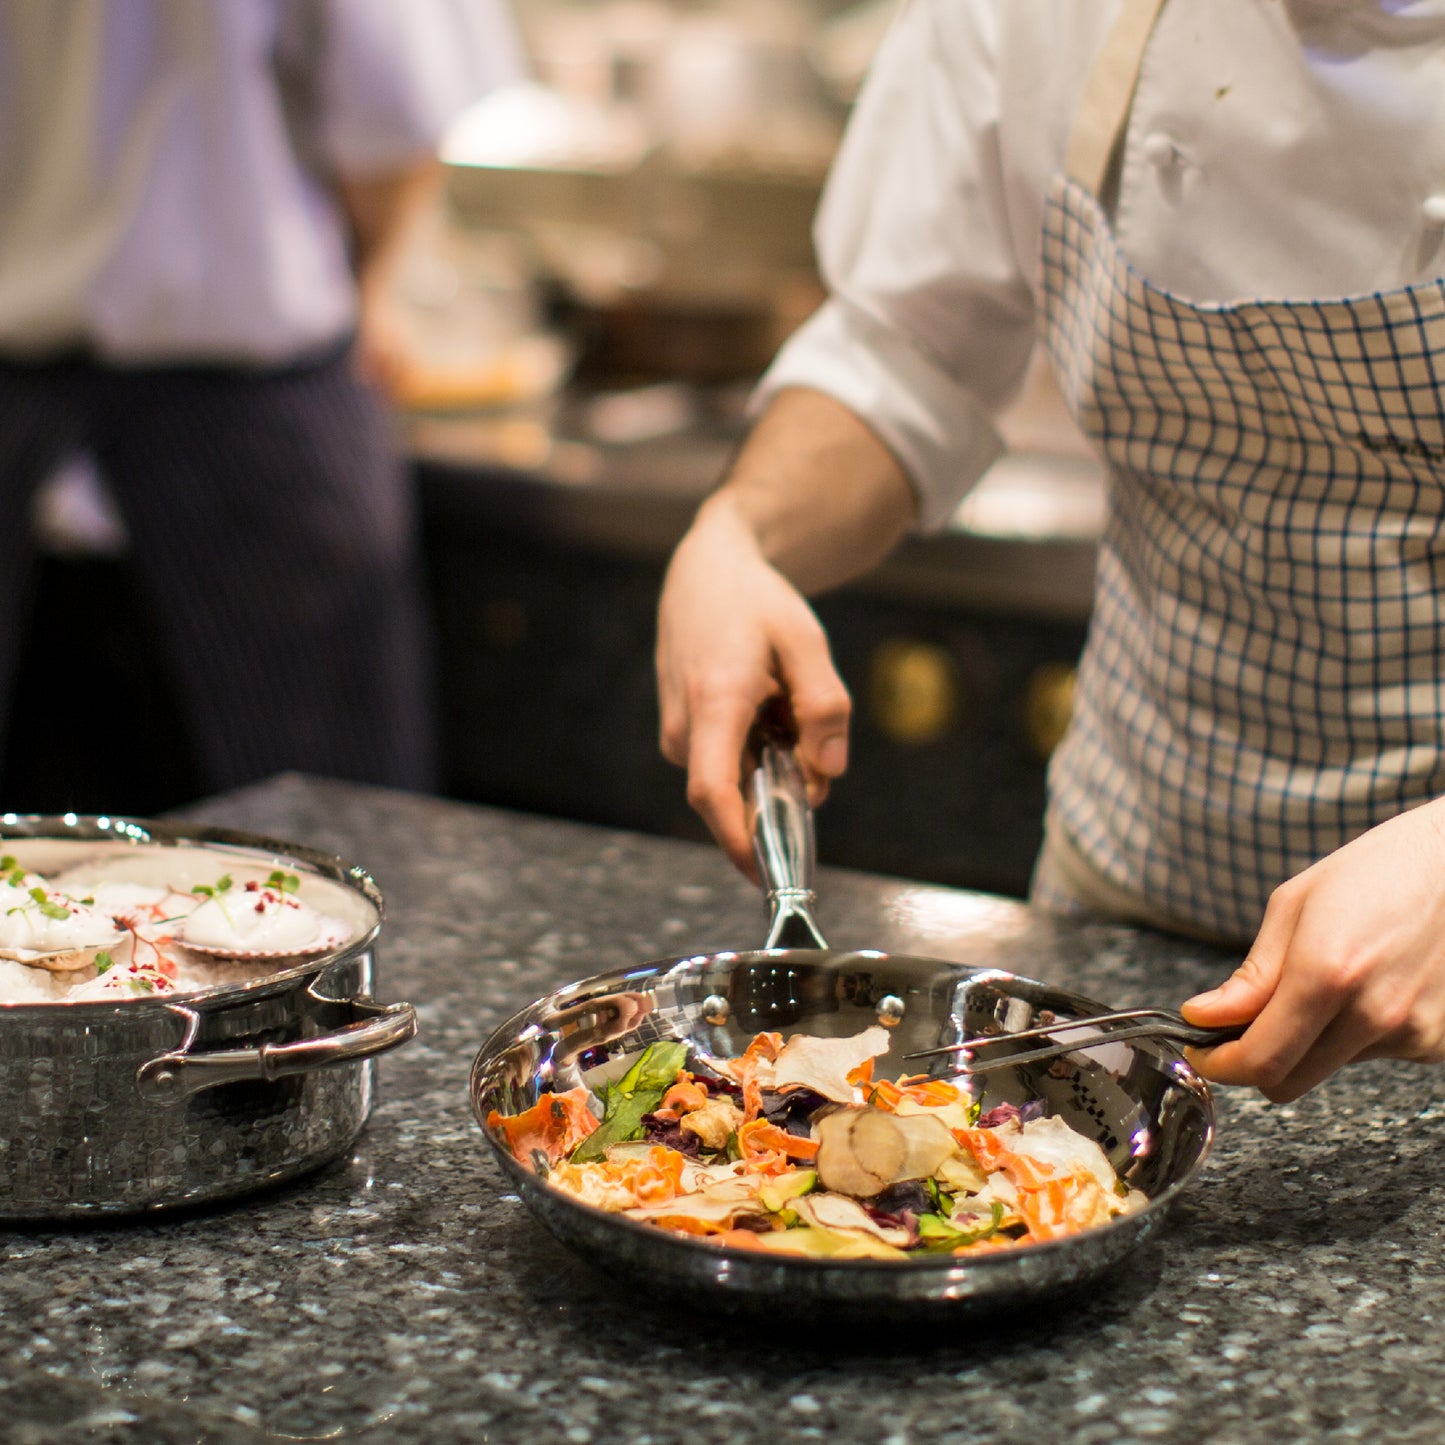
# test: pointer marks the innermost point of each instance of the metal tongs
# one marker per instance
(1136, 1023)
(783, 840)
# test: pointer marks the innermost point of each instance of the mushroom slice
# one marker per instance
(862, 1151)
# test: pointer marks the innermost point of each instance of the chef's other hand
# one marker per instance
(381, 353)
(732, 633)
(1348, 964)
(383, 209)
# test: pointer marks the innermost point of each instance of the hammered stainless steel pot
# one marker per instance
(149, 1103)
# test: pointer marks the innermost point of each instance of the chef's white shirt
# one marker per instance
(1275, 149)
(152, 203)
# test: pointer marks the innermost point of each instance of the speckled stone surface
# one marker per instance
(1296, 1293)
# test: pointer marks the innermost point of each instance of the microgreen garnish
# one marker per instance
(217, 891)
(14, 876)
(284, 882)
(9, 863)
(103, 961)
(49, 909)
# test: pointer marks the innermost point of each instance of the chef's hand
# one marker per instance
(732, 633)
(813, 499)
(383, 209)
(381, 354)
(1348, 964)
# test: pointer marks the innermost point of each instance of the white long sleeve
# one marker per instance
(1272, 151)
(166, 197)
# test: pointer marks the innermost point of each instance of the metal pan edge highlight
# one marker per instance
(1176, 1106)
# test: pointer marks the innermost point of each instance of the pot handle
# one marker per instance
(784, 846)
(376, 1028)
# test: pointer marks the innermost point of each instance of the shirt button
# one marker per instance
(1159, 150)
(1434, 209)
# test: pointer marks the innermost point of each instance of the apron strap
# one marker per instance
(1108, 94)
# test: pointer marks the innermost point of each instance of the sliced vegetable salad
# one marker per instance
(793, 1147)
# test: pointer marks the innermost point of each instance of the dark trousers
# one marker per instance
(273, 539)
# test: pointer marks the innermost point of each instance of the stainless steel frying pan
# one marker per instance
(1141, 1101)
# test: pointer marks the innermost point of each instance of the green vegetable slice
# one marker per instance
(639, 1091)
(937, 1233)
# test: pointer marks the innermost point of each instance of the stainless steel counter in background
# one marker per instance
(1023, 542)
(546, 544)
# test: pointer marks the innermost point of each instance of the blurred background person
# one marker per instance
(203, 203)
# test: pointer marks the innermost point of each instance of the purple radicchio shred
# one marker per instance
(890, 1219)
(671, 1134)
(794, 1110)
(909, 1197)
(1002, 1113)
(753, 1223)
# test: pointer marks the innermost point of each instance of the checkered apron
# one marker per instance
(1264, 677)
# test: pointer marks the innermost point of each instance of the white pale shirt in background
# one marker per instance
(1289, 149)
(154, 207)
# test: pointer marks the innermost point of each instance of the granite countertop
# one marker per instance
(404, 1295)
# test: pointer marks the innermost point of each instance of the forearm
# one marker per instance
(379, 210)
(819, 494)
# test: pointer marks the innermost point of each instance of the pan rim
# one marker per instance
(1136, 1223)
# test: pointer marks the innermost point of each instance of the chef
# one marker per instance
(1225, 220)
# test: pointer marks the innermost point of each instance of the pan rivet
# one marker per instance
(715, 1009)
(890, 1010)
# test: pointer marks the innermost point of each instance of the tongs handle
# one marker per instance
(1143, 1023)
(783, 839)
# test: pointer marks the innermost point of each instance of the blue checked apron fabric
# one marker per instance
(1265, 672)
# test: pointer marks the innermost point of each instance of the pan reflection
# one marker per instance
(1142, 1103)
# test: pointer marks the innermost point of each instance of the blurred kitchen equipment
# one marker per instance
(665, 168)
(673, 297)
